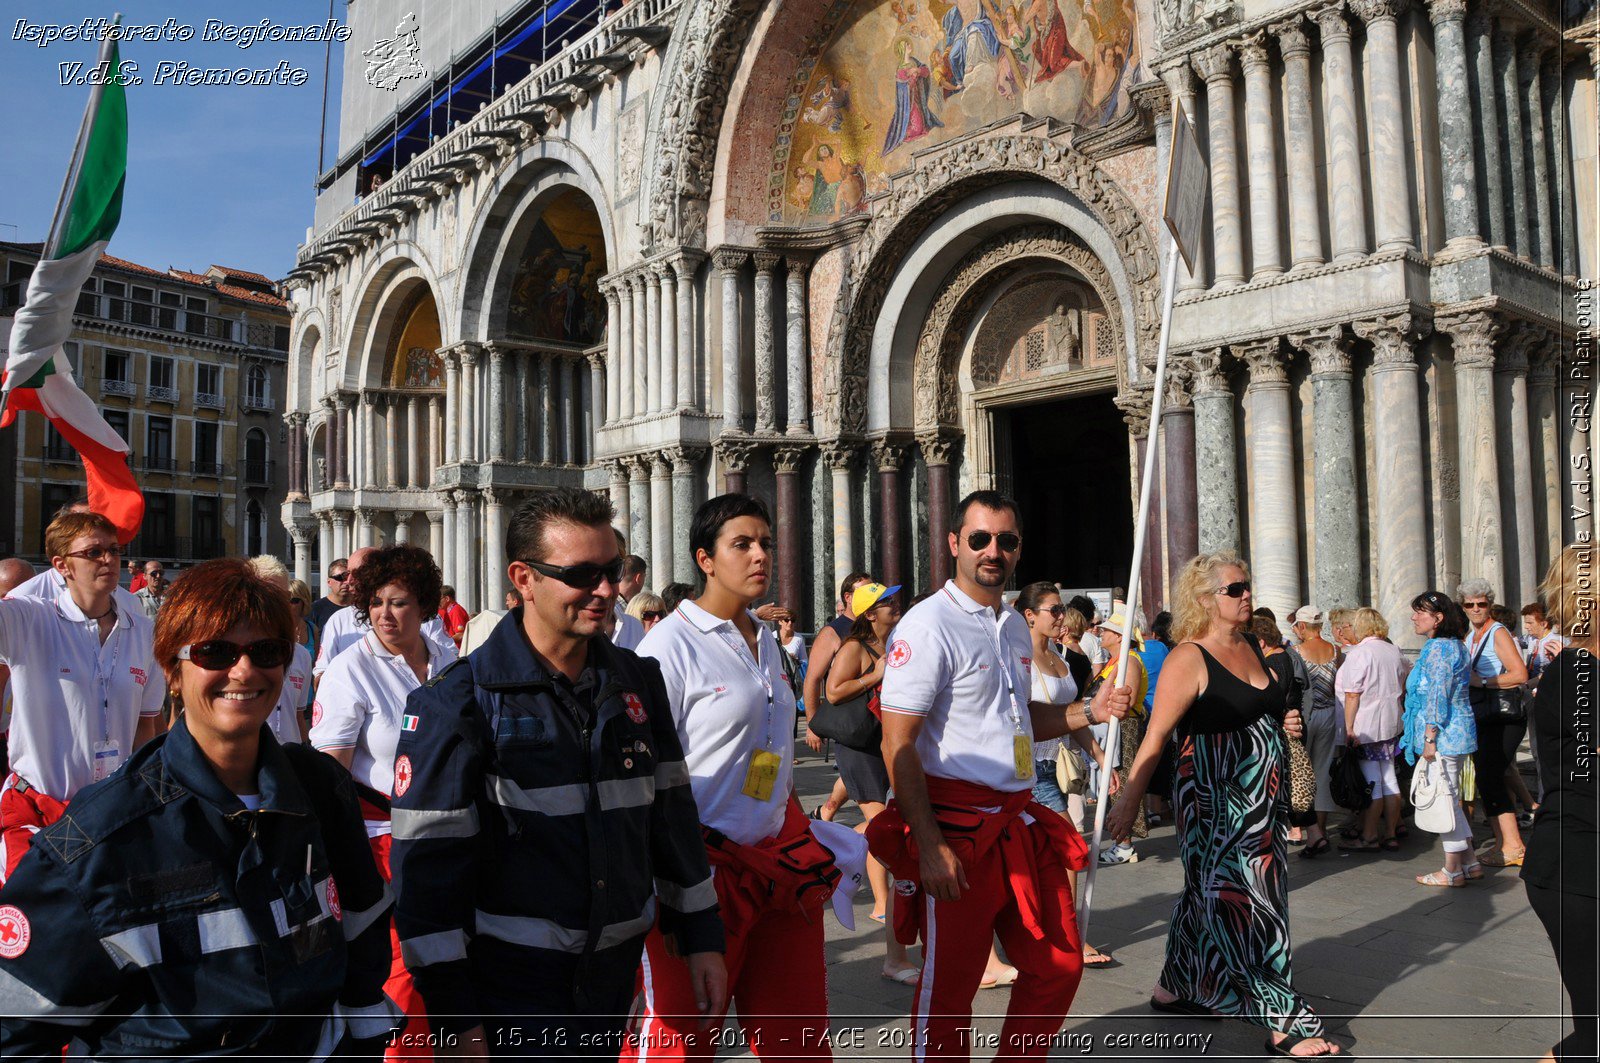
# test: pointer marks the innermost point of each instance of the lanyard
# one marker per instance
(992, 633)
(105, 678)
(741, 650)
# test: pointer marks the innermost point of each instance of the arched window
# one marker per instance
(257, 469)
(255, 529)
(257, 392)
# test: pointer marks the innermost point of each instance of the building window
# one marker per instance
(118, 420)
(157, 533)
(116, 303)
(163, 384)
(74, 359)
(257, 467)
(205, 528)
(208, 386)
(280, 338)
(206, 460)
(53, 498)
(158, 444)
(195, 318)
(255, 529)
(167, 312)
(257, 393)
(55, 447)
(118, 373)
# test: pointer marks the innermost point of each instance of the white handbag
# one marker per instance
(1433, 803)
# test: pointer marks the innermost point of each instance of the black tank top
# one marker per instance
(1229, 703)
(841, 626)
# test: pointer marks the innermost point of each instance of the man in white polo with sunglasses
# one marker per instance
(962, 825)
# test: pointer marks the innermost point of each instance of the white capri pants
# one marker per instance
(1459, 838)
(1380, 773)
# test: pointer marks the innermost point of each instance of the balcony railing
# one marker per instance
(162, 394)
(119, 387)
(258, 473)
(159, 463)
(256, 402)
(212, 469)
(157, 544)
(207, 399)
(149, 315)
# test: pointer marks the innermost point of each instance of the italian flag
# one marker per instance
(37, 374)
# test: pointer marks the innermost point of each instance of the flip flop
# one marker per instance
(1286, 1047)
(1350, 834)
(908, 976)
(1390, 845)
(1101, 960)
(1183, 1007)
(1006, 977)
(876, 918)
(1316, 848)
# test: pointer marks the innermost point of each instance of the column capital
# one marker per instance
(729, 259)
(787, 458)
(341, 400)
(767, 261)
(496, 496)
(367, 515)
(1521, 344)
(1328, 350)
(468, 352)
(1180, 79)
(497, 352)
(1265, 360)
(889, 454)
(1473, 336)
(1253, 53)
(735, 454)
(596, 359)
(1370, 11)
(798, 264)
(638, 466)
(839, 454)
(685, 261)
(1215, 63)
(1331, 23)
(616, 470)
(1446, 11)
(340, 518)
(1179, 390)
(403, 516)
(684, 458)
(658, 270)
(1393, 340)
(435, 516)
(369, 398)
(1292, 39)
(1206, 372)
(938, 448)
(1135, 406)
(302, 530)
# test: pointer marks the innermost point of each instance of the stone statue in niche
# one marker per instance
(1065, 335)
(322, 473)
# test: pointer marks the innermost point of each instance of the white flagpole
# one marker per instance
(1131, 608)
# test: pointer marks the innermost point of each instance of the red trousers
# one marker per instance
(413, 1040)
(24, 812)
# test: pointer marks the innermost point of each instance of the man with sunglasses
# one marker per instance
(335, 599)
(542, 817)
(958, 734)
(154, 591)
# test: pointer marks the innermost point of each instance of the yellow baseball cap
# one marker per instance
(867, 595)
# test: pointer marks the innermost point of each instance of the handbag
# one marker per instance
(849, 723)
(1493, 704)
(1350, 787)
(1469, 779)
(1433, 804)
(1302, 778)
(1070, 776)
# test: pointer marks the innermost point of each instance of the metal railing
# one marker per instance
(158, 393)
(258, 473)
(159, 463)
(109, 386)
(208, 468)
(255, 402)
(156, 544)
(208, 399)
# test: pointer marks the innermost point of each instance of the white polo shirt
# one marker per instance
(727, 706)
(285, 718)
(49, 584)
(950, 662)
(360, 706)
(629, 631)
(71, 693)
(343, 630)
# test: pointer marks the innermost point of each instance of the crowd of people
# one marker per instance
(240, 820)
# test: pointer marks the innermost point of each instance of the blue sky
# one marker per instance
(215, 173)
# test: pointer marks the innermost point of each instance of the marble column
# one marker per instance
(566, 371)
(640, 540)
(766, 345)
(394, 457)
(1347, 223)
(1216, 454)
(1515, 423)
(402, 527)
(684, 502)
(467, 550)
(1336, 511)
(341, 534)
(688, 365)
(613, 353)
(1474, 336)
(519, 405)
(469, 402)
(1548, 475)
(642, 344)
(1261, 133)
(497, 402)
(366, 527)
(369, 441)
(447, 536)
(325, 553)
(1300, 145)
(1491, 185)
(435, 454)
(1215, 65)
(1561, 185)
(1456, 132)
(413, 455)
(548, 399)
(1513, 144)
(436, 537)
(652, 339)
(786, 462)
(301, 534)
(597, 377)
(625, 347)
(729, 264)
(1274, 514)
(734, 454)
(617, 485)
(667, 398)
(1180, 488)
(889, 457)
(1386, 130)
(494, 584)
(1401, 535)
(341, 435)
(452, 405)
(1530, 62)
(839, 457)
(938, 454)
(797, 360)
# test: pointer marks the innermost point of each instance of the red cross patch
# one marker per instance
(316, 713)
(333, 899)
(635, 708)
(402, 775)
(15, 933)
(899, 653)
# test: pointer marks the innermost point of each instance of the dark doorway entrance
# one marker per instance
(1066, 464)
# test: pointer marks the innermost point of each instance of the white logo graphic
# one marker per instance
(395, 60)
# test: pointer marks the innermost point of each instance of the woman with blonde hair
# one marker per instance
(1339, 624)
(1496, 665)
(288, 720)
(1371, 685)
(647, 608)
(1228, 949)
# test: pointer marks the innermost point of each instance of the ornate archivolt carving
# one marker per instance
(938, 354)
(941, 178)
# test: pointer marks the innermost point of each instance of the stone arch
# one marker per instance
(304, 367)
(959, 194)
(376, 315)
(502, 222)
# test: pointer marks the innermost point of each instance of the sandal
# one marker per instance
(908, 976)
(1366, 845)
(1390, 845)
(1006, 976)
(1316, 848)
(1443, 877)
(1179, 1006)
(1501, 859)
(1350, 834)
(1473, 871)
(1286, 1047)
(1101, 960)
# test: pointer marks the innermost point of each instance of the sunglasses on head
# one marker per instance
(217, 654)
(1007, 541)
(1235, 590)
(583, 577)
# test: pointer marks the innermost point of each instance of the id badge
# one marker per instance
(107, 759)
(762, 774)
(1022, 753)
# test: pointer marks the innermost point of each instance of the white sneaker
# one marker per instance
(1121, 853)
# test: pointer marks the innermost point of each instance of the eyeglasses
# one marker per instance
(1474, 605)
(1007, 541)
(583, 577)
(97, 554)
(1235, 590)
(650, 614)
(217, 654)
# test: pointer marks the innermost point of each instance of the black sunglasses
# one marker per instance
(584, 577)
(1057, 611)
(1007, 541)
(1235, 590)
(650, 614)
(216, 654)
(338, 577)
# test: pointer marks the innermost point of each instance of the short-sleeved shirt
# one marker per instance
(1377, 671)
(454, 619)
(361, 705)
(968, 672)
(629, 632)
(49, 584)
(285, 718)
(71, 692)
(727, 706)
(344, 630)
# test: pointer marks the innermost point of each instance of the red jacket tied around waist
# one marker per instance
(790, 872)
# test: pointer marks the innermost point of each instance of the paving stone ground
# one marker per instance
(1398, 971)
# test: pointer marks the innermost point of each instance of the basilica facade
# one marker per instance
(862, 256)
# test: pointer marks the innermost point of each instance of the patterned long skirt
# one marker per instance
(1228, 945)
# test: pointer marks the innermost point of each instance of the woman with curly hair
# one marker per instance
(360, 707)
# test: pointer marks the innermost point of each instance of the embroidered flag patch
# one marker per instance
(408, 722)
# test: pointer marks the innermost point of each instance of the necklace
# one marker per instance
(109, 610)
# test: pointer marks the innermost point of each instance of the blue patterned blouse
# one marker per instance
(1436, 696)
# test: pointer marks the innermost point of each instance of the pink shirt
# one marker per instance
(1377, 671)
